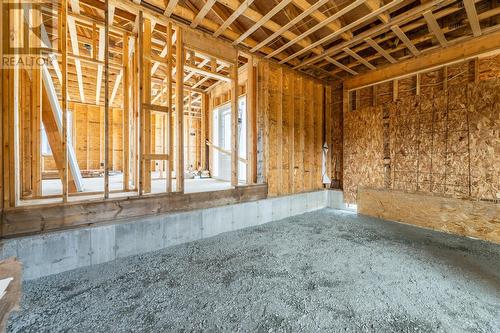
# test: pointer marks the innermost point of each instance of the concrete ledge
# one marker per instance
(335, 199)
(60, 251)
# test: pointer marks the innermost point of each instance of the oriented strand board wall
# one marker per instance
(441, 136)
(462, 217)
(484, 140)
(290, 129)
(363, 150)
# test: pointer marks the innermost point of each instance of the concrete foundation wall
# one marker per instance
(56, 252)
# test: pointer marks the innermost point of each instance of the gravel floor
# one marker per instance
(322, 271)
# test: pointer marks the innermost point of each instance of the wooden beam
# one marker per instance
(203, 11)
(358, 58)
(44, 218)
(374, 5)
(318, 15)
(470, 9)
(251, 114)
(179, 109)
(170, 8)
(427, 61)
(380, 50)
(100, 57)
(146, 104)
(126, 113)
(76, 51)
(342, 66)
(239, 11)
(64, 93)
(262, 21)
(234, 124)
(423, 38)
(434, 27)
(200, 65)
(402, 36)
(372, 31)
(290, 24)
(108, 150)
(345, 28)
(315, 28)
(204, 72)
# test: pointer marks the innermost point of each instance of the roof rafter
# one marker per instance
(402, 36)
(380, 50)
(201, 14)
(470, 9)
(435, 28)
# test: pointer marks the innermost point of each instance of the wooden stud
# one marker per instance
(64, 96)
(126, 113)
(140, 99)
(170, 164)
(395, 90)
(108, 149)
(146, 99)
(36, 107)
(418, 88)
(251, 122)
(234, 123)
(179, 108)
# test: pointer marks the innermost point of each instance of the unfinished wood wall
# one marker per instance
(471, 218)
(290, 129)
(334, 127)
(88, 138)
(439, 133)
(363, 150)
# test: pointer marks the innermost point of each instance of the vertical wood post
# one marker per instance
(64, 95)
(179, 106)
(251, 123)
(146, 99)
(36, 105)
(170, 162)
(107, 147)
(204, 126)
(126, 113)
(140, 97)
(234, 123)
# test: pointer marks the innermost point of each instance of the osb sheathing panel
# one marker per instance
(462, 217)
(484, 139)
(403, 143)
(291, 125)
(363, 150)
(384, 93)
(489, 68)
(448, 144)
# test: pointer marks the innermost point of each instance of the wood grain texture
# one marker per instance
(291, 129)
(452, 215)
(363, 150)
(484, 140)
(44, 218)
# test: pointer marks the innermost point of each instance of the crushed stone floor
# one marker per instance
(322, 271)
